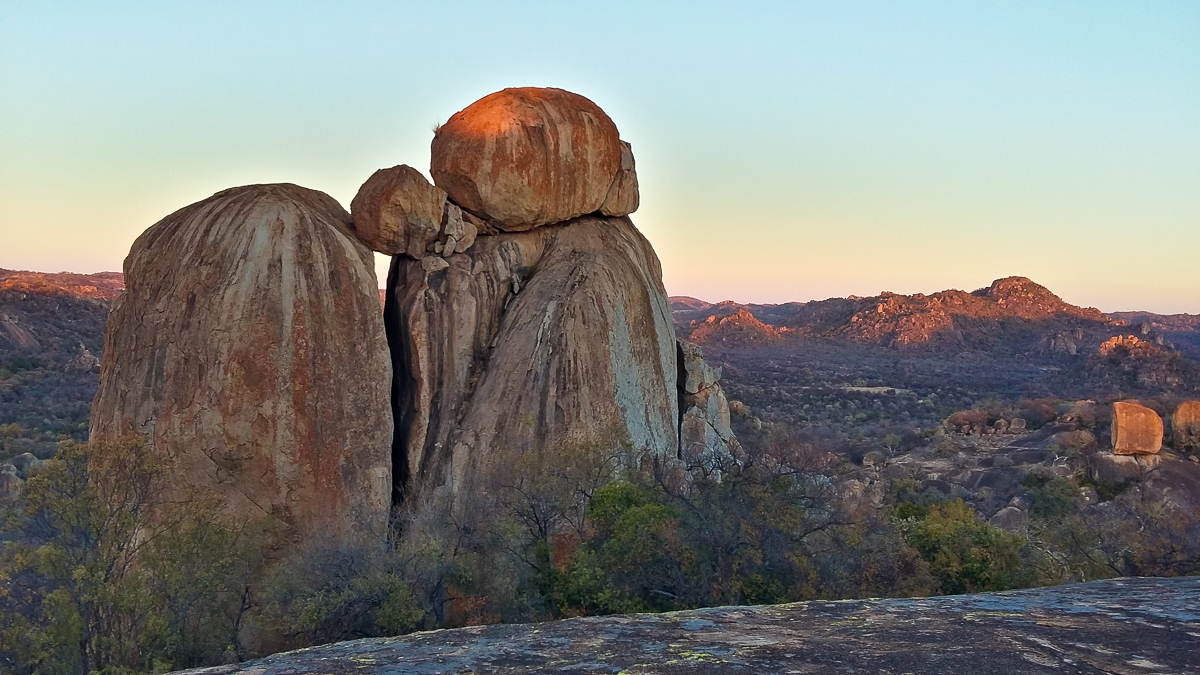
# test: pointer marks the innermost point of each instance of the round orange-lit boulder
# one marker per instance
(1186, 423)
(529, 156)
(1136, 429)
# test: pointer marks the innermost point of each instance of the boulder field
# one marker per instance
(523, 311)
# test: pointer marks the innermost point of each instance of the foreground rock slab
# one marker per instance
(1133, 625)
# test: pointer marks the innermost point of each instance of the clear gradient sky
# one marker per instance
(786, 150)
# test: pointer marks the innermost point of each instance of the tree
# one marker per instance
(106, 566)
(965, 554)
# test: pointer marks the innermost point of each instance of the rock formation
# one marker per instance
(529, 340)
(706, 442)
(527, 157)
(248, 348)
(546, 322)
(1186, 425)
(523, 311)
(1136, 429)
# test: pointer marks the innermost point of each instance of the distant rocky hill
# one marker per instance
(810, 363)
(1132, 625)
(1013, 313)
(104, 286)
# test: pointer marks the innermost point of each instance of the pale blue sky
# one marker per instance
(786, 151)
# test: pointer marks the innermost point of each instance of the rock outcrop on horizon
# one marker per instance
(249, 349)
(1012, 310)
(526, 157)
(1136, 429)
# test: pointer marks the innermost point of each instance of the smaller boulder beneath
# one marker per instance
(1136, 429)
(1120, 469)
(397, 211)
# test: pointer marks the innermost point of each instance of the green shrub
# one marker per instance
(965, 554)
(1053, 497)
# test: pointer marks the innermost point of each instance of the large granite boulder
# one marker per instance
(248, 348)
(1185, 424)
(1136, 429)
(527, 341)
(527, 157)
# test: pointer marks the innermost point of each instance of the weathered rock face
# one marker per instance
(1073, 628)
(623, 197)
(1136, 429)
(527, 341)
(248, 347)
(526, 157)
(1186, 425)
(706, 442)
(397, 211)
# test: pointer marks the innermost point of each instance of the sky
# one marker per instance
(786, 151)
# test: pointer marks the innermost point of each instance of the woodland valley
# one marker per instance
(239, 448)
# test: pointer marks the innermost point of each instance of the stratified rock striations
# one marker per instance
(526, 157)
(248, 347)
(1136, 429)
(528, 341)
